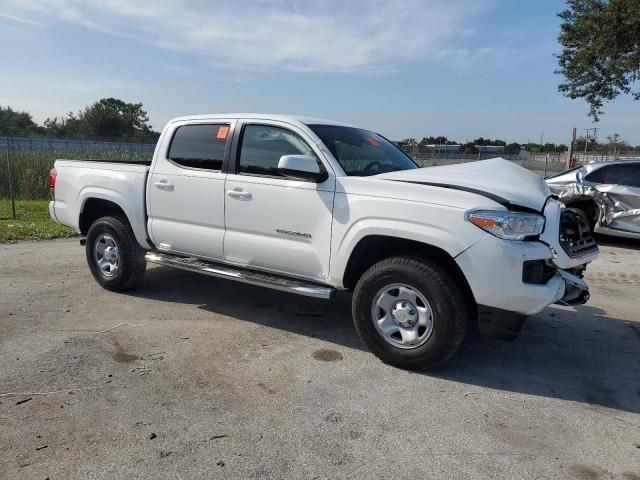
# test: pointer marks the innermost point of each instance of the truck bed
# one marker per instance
(123, 183)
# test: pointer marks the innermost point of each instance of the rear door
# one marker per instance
(622, 186)
(276, 223)
(186, 189)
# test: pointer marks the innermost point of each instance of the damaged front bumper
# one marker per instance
(498, 271)
(511, 280)
(576, 290)
(495, 271)
(569, 289)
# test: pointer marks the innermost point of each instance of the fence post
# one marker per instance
(11, 194)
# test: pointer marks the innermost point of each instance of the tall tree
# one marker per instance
(111, 118)
(17, 124)
(63, 127)
(600, 58)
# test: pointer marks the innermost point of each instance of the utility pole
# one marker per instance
(570, 157)
(10, 173)
(586, 140)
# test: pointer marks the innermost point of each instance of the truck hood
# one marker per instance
(501, 180)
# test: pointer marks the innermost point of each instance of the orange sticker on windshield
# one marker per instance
(373, 141)
(223, 131)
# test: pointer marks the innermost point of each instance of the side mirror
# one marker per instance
(303, 167)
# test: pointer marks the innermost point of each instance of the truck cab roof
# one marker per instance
(294, 119)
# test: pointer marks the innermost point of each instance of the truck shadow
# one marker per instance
(580, 354)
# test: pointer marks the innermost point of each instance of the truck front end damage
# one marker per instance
(511, 280)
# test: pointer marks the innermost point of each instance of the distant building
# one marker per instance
(490, 148)
(441, 148)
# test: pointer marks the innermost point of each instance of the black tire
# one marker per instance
(131, 264)
(446, 300)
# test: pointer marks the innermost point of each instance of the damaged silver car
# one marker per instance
(607, 192)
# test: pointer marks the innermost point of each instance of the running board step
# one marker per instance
(191, 264)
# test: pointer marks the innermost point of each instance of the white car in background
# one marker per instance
(607, 192)
(312, 206)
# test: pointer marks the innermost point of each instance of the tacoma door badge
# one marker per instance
(293, 234)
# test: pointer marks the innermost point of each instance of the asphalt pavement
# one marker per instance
(196, 377)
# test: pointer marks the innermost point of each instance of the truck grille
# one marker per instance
(576, 237)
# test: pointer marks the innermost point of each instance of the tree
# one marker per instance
(111, 118)
(512, 148)
(63, 127)
(107, 119)
(470, 147)
(17, 124)
(600, 58)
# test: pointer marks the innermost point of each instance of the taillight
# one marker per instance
(53, 175)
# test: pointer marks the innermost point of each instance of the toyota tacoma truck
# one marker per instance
(312, 206)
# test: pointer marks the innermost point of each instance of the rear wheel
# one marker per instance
(410, 312)
(115, 258)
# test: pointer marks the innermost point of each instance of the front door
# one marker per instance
(186, 190)
(273, 222)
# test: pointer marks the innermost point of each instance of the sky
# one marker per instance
(404, 68)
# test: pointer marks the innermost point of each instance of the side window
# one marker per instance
(263, 145)
(597, 176)
(628, 175)
(199, 146)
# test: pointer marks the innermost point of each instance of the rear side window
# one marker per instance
(199, 146)
(597, 176)
(628, 175)
(263, 145)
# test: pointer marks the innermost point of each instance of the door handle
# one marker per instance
(239, 193)
(164, 185)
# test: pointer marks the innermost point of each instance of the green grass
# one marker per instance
(32, 222)
(31, 168)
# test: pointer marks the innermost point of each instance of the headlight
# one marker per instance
(507, 225)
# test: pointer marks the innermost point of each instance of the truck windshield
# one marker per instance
(361, 152)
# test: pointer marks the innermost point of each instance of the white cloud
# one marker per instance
(299, 35)
(14, 18)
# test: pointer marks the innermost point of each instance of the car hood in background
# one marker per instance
(502, 180)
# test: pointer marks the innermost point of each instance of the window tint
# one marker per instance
(262, 146)
(597, 176)
(623, 174)
(199, 146)
(361, 152)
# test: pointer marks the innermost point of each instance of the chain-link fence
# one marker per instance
(26, 162)
(542, 164)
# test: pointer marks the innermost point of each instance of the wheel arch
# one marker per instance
(94, 208)
(374, 248)
(96, 204)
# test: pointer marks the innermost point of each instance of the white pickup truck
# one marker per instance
(312, 206)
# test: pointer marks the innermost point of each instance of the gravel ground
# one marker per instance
(194, 377)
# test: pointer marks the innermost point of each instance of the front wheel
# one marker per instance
(114, 256)
(410, 312)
